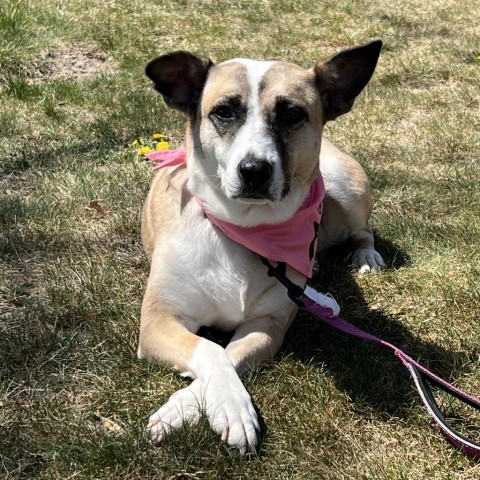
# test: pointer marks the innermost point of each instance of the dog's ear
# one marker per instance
(342, 77)
(179, 77)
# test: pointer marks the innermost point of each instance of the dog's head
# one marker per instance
(255, 127)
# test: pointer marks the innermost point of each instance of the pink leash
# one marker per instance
(419, 373)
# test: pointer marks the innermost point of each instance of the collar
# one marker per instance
(293, 242)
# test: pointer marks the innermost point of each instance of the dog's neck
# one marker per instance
(293, 241)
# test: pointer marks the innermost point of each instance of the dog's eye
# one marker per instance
(223, 112)
(290, 115)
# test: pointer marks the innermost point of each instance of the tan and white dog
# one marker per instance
(253, 145)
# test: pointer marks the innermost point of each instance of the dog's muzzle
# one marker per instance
(255, 175)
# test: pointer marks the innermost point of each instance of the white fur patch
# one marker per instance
(217, 391)
(253, 137)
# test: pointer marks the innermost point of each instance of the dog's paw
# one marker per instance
(367, 260)
(184, 406)
(228, 407)
(231, 414)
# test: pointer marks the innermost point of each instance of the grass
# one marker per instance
(74, 397)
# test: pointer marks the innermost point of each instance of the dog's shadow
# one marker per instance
(369, 373)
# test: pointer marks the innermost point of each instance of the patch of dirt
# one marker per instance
(78, 62)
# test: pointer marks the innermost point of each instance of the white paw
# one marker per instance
(367, 260)
(227, 405)
(182, 407)
(231, 414)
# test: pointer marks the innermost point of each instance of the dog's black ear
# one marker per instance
(179, 77)
(342, 77)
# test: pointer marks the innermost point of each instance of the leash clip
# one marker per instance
(295, 292)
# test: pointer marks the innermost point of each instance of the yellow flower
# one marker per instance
(134, 143)
(162, 146)
(158, 136)
(144, 150)
(477, 58)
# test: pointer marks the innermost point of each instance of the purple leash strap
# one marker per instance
(420, 374)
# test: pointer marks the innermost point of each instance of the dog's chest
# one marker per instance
(210, 280)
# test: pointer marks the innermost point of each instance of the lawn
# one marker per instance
(74, 398)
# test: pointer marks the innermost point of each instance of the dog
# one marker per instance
(253, 153)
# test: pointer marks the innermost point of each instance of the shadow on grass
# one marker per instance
(371, 374)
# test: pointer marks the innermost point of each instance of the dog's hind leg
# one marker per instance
(365, 257)
(347, 208)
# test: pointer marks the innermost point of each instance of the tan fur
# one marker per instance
(168, 194)
(352, 203)
(229, 79)
(291, 81)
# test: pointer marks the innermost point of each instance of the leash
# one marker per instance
(422, 377)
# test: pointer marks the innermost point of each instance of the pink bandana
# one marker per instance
(293, 242)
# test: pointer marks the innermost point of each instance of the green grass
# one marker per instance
(74, 398)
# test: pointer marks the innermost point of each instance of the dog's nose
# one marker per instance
(255, 172)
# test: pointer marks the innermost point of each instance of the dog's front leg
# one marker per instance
(217, 389)
(256, 341)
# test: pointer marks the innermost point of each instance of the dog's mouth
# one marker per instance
(259, 196)
(248, 196)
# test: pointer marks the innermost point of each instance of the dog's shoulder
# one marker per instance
(168, 202)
